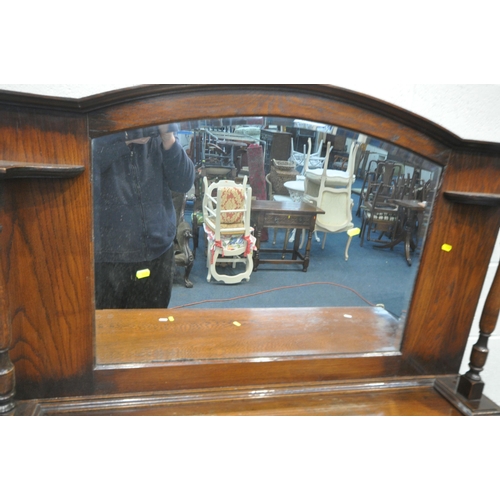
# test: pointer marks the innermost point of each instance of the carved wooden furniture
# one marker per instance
(380, 214)
(383, 173)
(49, 334)
(183, 254)
(287, 215)
(410, 211)
(277, 146)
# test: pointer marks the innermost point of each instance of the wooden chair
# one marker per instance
(383, 172)
(226, 214)
(379, 214)
(184, 257)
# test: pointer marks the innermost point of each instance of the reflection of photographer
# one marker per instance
(135, 223)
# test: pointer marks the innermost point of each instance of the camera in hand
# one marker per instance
(133, 135)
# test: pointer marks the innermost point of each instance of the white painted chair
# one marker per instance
(335, 199)
(226, 212)
(308, 159)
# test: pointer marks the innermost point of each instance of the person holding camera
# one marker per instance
(134, 174)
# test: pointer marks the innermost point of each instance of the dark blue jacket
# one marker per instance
(134, 216)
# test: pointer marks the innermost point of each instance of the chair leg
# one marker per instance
(351, 233)
(187, 272)
(363, 230)
(233, 279)
(209, 263)
(196, 234)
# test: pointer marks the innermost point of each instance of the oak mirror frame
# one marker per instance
(305, 102)
(382, 280)
(54, 351)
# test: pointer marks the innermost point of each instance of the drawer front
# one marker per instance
(292, 221)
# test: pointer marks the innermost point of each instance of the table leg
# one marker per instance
(296, 244)
(258, 236)
(408, 248)
(308, 249)
(410, 245)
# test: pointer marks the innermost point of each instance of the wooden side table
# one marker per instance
(286, 215)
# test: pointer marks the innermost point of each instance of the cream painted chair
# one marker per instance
(226, 212)
(308, 159)
(332, 193)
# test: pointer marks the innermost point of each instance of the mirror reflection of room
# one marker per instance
(230, 247)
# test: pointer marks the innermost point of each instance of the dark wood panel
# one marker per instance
(482, 406)
(212, 102)
(478, 199)
(449, 283)
(203, 348)
(398, 398)
(192, 375)
(46, 254)
(16, 170)
(7, 379)
(141, 337)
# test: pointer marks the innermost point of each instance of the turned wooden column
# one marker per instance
(471, 385)
(7, 379)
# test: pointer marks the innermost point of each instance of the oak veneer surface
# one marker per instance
(46, 244)
(313, 102)
(138, 337)
(449, 284)
(263, 401)
(46, 255)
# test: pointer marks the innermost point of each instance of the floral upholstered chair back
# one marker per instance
(227, 207)
(233, 204)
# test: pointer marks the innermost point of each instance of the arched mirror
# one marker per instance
(361, 266)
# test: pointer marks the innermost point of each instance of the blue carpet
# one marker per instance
(372, 276)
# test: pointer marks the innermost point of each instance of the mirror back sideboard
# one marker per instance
(47, 336)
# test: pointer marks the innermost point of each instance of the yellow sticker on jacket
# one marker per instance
(145, 273)
(447, 248)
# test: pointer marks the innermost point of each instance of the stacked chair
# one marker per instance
(378, 208)
(332, 193)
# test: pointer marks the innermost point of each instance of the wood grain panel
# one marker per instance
(203, 348)
(141, 337)
(449, 283)
(46, 254)
(17, 170)
(7, 378)
(397, 398)
(122, 379)
(230, 102)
